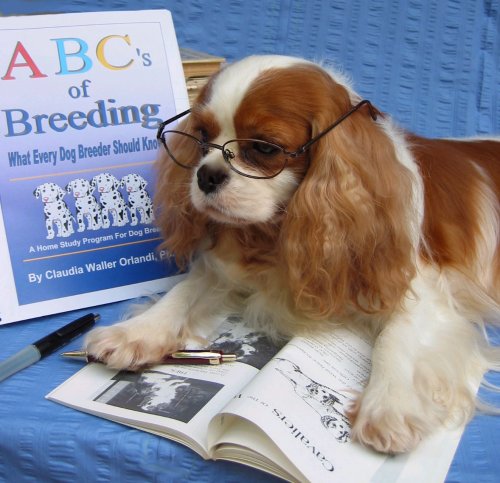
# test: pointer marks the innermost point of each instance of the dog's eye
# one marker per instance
(202, 135)
(265, 148)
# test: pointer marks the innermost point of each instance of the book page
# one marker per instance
(82, 96)
(297, 407)
(174, 401)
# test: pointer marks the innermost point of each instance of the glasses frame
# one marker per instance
(228, 154)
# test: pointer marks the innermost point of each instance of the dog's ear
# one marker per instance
(90, 186)
(36, 192)
(61, 193)
(116, 183)
(69, 187)
(182, 226)
(349, 237)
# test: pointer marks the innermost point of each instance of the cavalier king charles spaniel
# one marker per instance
(300, 206)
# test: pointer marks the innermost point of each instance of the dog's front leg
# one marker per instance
(426, 365)
(185, 314)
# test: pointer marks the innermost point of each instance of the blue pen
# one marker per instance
(45, 346)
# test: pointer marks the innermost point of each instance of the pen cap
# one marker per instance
(24, 358)
(65, 334)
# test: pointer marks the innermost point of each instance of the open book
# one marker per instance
(281, 410)
(81, 98)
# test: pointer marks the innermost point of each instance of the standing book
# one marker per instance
(198, 68)
(281, 410)
(81, 96)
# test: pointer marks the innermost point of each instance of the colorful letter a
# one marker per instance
(28, 62)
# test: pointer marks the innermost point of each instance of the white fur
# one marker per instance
(426, 366)
(237, 201)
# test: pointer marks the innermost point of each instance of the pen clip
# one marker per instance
(210, 355)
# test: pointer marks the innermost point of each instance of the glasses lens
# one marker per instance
(183, 148)
(255, 158)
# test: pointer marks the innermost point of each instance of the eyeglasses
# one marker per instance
(253, 158)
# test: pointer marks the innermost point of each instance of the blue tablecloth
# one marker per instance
(41, 441)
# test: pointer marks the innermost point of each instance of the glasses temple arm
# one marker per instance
(172, 119)
(309, 143)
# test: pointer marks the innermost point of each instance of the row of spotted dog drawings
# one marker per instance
(111, 208)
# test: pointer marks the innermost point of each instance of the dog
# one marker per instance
(301, 206)
(328, 403)
(86, 205)
(139, 201)
(56, 210)
(111, 200)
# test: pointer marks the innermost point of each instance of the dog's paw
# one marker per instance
(129, 346)
(386, 428)
(394, 418)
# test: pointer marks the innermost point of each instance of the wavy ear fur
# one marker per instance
(183, 228)
(347, 238)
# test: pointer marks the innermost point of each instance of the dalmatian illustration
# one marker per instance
(86, 204)
(56, 210)
(112, 203)
(327, 402)
(139, 200)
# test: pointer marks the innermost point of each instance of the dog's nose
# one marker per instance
(209, 178)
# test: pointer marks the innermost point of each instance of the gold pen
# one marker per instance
(184, 357)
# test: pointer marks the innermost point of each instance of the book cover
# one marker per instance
(199, 64)
(198, 67)
(81, 97)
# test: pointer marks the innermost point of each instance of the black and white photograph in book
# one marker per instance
(159, 393)
(250, 346)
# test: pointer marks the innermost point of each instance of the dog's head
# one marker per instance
(105, 182)
(49, 192)
(133, 182)
(80, 187)
(257, 152)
